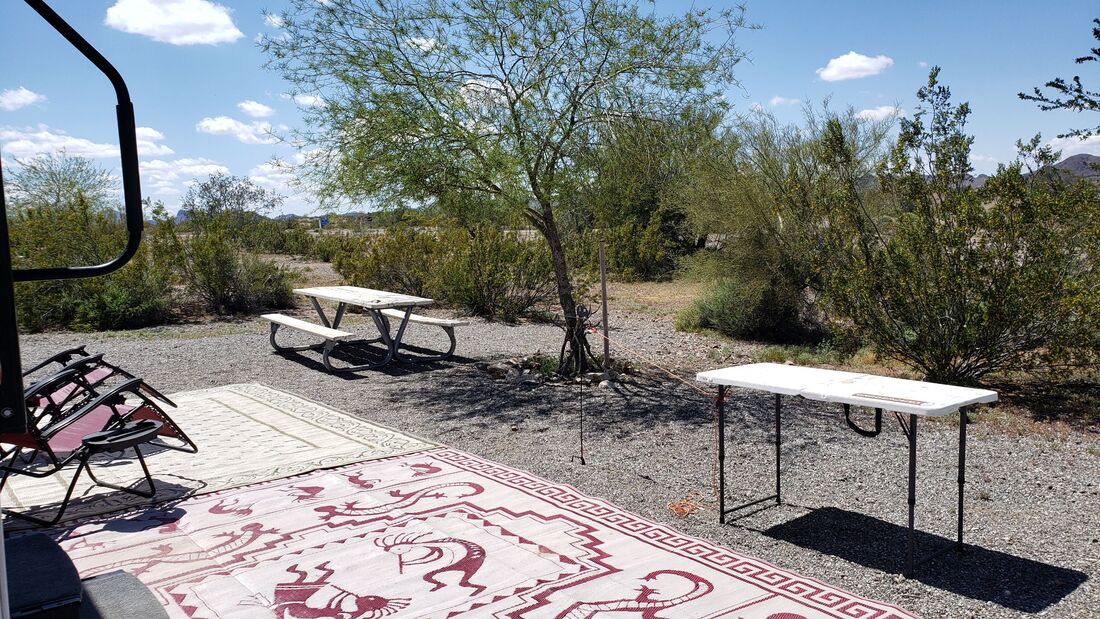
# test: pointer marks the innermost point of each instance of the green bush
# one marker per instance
(225, 279)
(483, 270)
(77, 233)
(488, 272)
(755, 310)
(406, 260)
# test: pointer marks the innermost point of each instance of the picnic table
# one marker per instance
(381, 305)
(911, 398)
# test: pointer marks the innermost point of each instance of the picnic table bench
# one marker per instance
(882, 393)
(382, 306)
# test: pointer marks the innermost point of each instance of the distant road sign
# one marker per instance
(324, 221)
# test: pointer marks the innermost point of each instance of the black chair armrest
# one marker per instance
(61, 358)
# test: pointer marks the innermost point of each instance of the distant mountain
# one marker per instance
(1077, 166)
(1080, 166)
(181, 216)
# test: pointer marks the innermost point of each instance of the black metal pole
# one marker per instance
(13, 411)
(963, 422)
(127, 144)
(912, 493)
(778, 408)
(720, 403)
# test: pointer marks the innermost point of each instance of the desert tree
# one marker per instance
(426, 101)
(54, 180)
(1071, 94)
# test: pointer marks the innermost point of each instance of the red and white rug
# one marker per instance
(439, 533)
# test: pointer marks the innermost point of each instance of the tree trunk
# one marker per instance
(573, 359)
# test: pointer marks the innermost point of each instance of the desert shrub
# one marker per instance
(955, 281)
(137, 295)
(209, 252)
(326, 247)
(69, 229)
(489, 272)
(632, 251)
(224, 278)
(406, 260)
(482, 270)
(756, 310)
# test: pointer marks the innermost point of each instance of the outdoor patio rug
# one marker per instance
(440, 533)
(245, 433)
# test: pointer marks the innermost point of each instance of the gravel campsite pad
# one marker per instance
(1033, 502)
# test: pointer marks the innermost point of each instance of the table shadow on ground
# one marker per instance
(355, 353)
(977, 573)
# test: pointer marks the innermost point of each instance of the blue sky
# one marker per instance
(205, 103)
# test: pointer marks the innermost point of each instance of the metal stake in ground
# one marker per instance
(581, 457)
(603, 302)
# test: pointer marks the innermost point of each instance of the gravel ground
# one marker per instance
(1033, 503)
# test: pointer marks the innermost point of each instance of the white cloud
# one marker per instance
(160, 177)
(179, 22)
(881, 112)
(256, 132)
(756, 107)
(255, 109)
(147, 138)
(306, 100)
(1075, 146)
(778, 100)
(424, 44)
(28, 142)
(43, 139)
(922, 64)
(273, 175)
(13, 99)
(851, 66)
(274, 20)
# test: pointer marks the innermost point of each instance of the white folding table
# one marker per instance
(902, 397)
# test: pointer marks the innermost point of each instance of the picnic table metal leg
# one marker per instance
(320, 312)
(340, 309)
(720, 404)
(911, 542)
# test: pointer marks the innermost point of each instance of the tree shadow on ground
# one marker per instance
(1075, 403)
(643, 402)
(978, 573)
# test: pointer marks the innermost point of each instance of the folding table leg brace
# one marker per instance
(910, 430)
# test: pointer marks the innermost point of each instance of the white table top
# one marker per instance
(892, 394)
(363, 297)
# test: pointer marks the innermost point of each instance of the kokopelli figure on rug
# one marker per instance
(645, 602)
(316, 598)
(461, 556)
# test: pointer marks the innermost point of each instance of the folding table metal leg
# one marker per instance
(778, 409)
(912, 493)
(721, 453)
(720, 403)
(963, 422)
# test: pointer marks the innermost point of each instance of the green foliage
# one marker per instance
(754, 310)
(955, 281)
(406, 260)
(52, 181)
(53, 223)
(210, 257)
(484, 270)
(490, 273)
